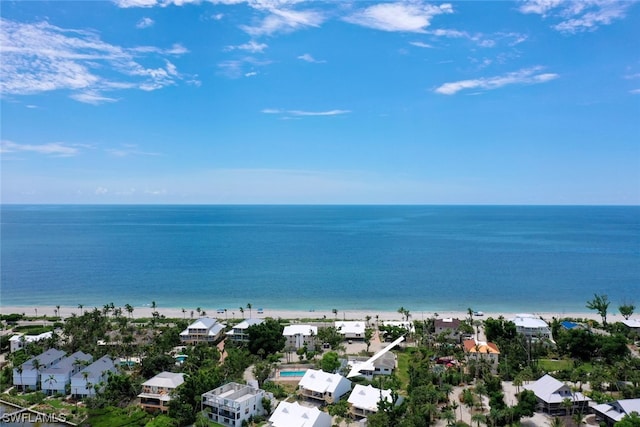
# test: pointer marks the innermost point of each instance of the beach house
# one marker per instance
(531, 326)
(448, 328)
(233, 404)
(294, 415)
(553, 395)
(612, 412)
(475, 351)
(363, 400)
(299, 336)
(156, 392)
(20, 341)
(632, 324)
(54, 379)
(203, 330)
(27, 375)
(85, 382)
(351, 330)
(239, 332)
(383, 365)
(322, 386)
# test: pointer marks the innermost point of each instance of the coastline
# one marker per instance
(321, 315)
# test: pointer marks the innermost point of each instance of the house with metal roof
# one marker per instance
(299, 336)
(531, 326)
(239, 332)
(156, 392)
(552, 396)
(20, 341)
(612, 412)
(295, 415)
(203, 330)
(384, 365)
(351, 330)
(323, 386)
(55, 378)
(27, 376)
(363, 400)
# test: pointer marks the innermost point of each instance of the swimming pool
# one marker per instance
(292, 373)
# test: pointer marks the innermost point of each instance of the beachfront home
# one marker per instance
(20, 341)
(552, 395)
(363, 400)
(322, 386)
(233, 404)
(383, 365)
(632, 324)
(294, 415)
(54, 379)
(27, 375)
(531, 326)
(156, 392)
(239, 332)
(448, 328)
(203, 330)
(612, 412)
(351, 330)
(85, 382)
(299, 336)
(475, 350)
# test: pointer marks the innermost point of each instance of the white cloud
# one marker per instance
(101, 191)
(305, 113)
(284, 21)
(635, 92)
(524, 76)
(136, 3)
(308, 58)
(145, 23)
(412, 17)
(236, 68)
(56, 149)
(578, 15)
(40, 57)
(126, 150)
(421, 44)
(251, 74)
(251, 46)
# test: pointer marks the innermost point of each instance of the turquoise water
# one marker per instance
(511, 258)
(292, 373)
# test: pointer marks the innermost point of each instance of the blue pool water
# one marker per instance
(292, 373)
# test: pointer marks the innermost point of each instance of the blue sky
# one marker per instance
(278, 101)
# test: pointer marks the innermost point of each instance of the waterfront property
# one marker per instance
(299, 336)
(612, 412)
(203, 330)
(20, 341)
(448, 327)
(363, 400)
(383, 365)
(239, 333)
(553, 395)
(322, 386)
(632, 324)
(156, 392)
(54, 379)
(531, 326)
(475, 350)
(85, 382)
(233, 404)
(27, 375)
(351, 330)
(295, 415)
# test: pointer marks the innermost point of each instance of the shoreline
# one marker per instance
(322, 315)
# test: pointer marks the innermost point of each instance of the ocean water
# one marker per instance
(511, 258)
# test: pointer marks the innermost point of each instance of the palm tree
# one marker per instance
(57, 310)
(37, 366)
(36, 311)
(449, 416)
(242, 312)
(249, 307)
(80, 306)
(19, 369)
(49, 380)
(335, 312)
(184, 313)
(556, 422)
(401, 310)
(199, 310)
(87, 384)
(129, 309)
(225, 314)
(478, 418)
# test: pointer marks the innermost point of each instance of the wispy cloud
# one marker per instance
(145, 23)
(635, 92)
(309, 58)
(55, 149)
(40, 57)
(412, 17)
(280, 20)
(126, 150)
(421, 44)
(236, 68)
(524, 76)
(299, 113)
(251, 46)
(575, 16)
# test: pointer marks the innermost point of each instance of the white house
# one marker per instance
(351, 330)
(322, 386)
(27, 375)
(156, 392)
(300, 335)
(20, 341)
(551, 394)
(203, 330)
(239, 332)
(612, 412)
(633, 324)
(363, 400)
(294, 415)
(531, 326)
(384, 365)
(55, 378)
(482, 350)
(83, 383)
(233, 403)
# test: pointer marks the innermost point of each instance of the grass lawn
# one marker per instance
(551, 365)
(403, 369)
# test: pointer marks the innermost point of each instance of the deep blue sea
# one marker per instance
(507, 258)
